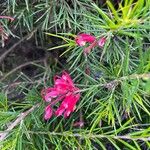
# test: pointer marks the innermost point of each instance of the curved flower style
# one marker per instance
(7, 17)
(83, 38)
(63, 90)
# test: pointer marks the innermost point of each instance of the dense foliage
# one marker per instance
(104, 46)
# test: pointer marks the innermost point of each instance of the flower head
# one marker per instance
(63, 90)
(83, 38)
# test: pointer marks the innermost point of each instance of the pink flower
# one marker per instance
(48, 112)
(63, 90)
(101, 41)
(68, 105)
(83, 38)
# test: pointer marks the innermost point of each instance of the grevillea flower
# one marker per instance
(63, 90)
(101, 41)
(84, 38)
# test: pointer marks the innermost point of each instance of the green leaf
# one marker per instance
(114, 12)
(102, 13)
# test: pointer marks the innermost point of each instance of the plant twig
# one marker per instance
(115, 82)
(19, 67)
(14, 84)
(112, 84)
(12, 125)
(93, 136)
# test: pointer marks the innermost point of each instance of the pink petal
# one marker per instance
(87, 37)
(47, 98)
(53, 94)
(80, 42)
(59, 81)
(49, 93)
(60, 111)
(69, 103)
(45, 91)
(48, 112)
(101, 41)
(68, 78)
(67, 113)
(63, 106)
(72, 102)
(64, 80)
(81, 39)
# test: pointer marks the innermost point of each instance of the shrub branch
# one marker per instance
(12, 125)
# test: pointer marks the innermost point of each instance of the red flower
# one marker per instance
(101, 41)
(68, 105)
(63, 90)
(83, 38)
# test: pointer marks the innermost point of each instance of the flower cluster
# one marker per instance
(3, 34)
(83, 38)
(63, 90)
